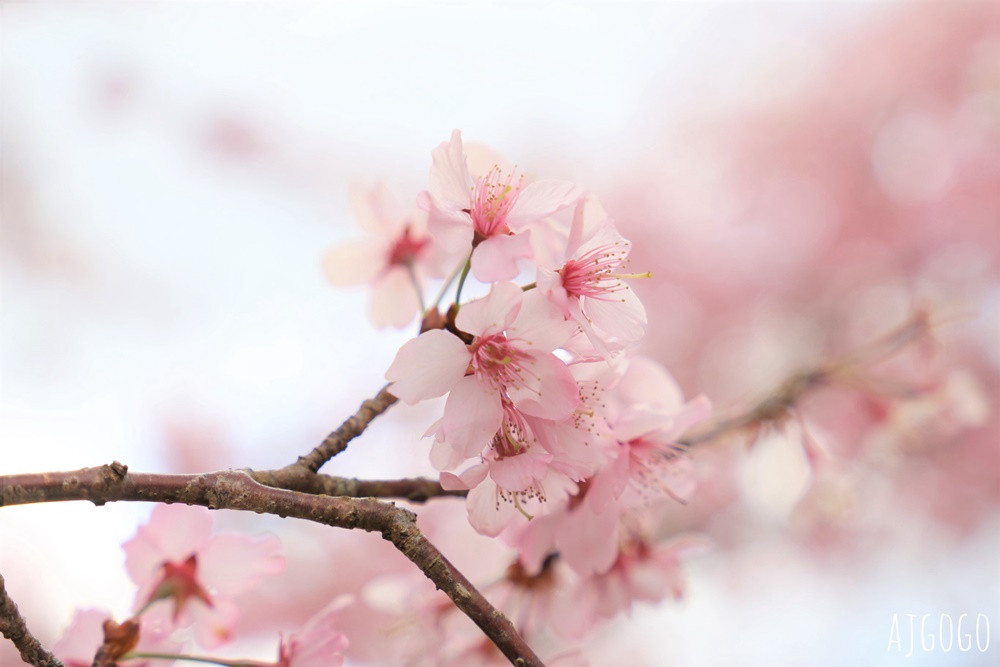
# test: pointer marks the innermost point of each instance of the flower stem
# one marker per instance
(237, 662)
(461, 282)
(416, 286)
(145, 607)
(447, 283)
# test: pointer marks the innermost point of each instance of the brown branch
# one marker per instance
(13, 627)
(772, 408)
(296, 478)
(777, 405)
(337, 441)
(237, 490)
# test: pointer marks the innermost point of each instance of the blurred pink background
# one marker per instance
(800, 179)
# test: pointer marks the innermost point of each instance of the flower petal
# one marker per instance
(394, 299)
(520, 472)
(354, 262)
(624, 317)
(231, 563)
(540, 325)
(172, 533)
(496, 258)
(214, 626)
(472, 416)
(537, 541)
(646, 382)
(551, 392)
(376, 210)
(695, 411)
(589, 540)
(492, 313)
(550, 284)
(450, 181)
(444, 456)
(469, 479)
(488, 513)
(451, 229)
(428, 366)
(541, 199)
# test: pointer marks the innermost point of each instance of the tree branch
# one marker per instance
(13, 627)
(296, 478)
(337, 441)
(777, 405)
(238, 490)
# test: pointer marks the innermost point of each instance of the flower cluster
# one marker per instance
(558, 431)
(561, 435)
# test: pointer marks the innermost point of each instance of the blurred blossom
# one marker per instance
(177, 562)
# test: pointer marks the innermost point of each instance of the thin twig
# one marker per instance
(337, 441)
(237, 490)
(13, 627)
(777, 405)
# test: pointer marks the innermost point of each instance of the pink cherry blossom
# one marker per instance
(642, 572)
(175, 557)
(531, 464)
(647, 417)
(489, 212)
(320, 644)
(585, 538)
(637, 408)
(503, 489)
(393, 257)
(589, 286)
(509, 359)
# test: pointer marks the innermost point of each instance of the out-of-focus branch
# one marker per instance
(777, 405)
(238, 490)
(337, 441)
(13, 627)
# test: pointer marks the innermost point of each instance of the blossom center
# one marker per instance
(497, 361)
(179, 581)
(514, 435)
(593, 274)
(492, 198)
(649, 464)
(406, 249)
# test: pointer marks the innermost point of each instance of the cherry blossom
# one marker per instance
(176, 558)
(647, 416)
(393, 257)
(489, 212)
(589, 287)
(503, 490)
(585, 537)
(642, 571)
(509, 359)
(533, 464)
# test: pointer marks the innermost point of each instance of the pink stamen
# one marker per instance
(497, 361)
(593, 274)
(492, 198)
